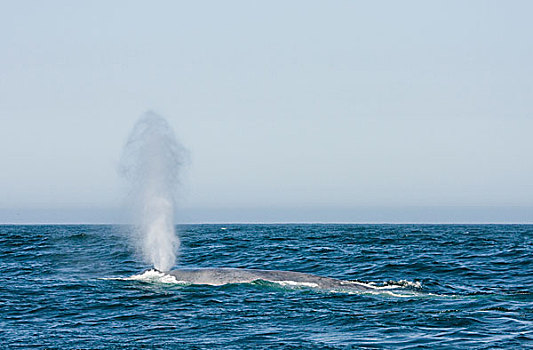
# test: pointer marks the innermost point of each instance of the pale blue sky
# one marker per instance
(285, 106)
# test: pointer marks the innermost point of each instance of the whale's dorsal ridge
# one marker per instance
(229, 275)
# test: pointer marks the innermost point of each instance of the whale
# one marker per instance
(223, 276)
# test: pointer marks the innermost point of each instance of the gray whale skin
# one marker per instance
(221, 276)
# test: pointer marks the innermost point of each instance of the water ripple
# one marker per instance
(465, 286)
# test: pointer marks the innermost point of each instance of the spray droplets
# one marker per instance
(151, 162)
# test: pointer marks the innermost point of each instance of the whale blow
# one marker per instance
(151, 162)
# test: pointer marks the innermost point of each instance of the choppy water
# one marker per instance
(461, 287)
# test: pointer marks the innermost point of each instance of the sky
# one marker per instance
(337, 111)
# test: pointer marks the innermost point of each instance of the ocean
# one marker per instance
(437, 287)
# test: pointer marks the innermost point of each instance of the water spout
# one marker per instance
(151, 162)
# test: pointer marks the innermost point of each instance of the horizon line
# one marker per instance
(277, 223)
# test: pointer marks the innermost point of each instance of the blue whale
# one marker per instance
(221, 276)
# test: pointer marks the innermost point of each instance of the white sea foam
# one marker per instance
(150, 276)
(394, 284)
(297, 284)
(394, 294)
(153, 276)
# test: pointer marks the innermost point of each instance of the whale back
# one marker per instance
(221, 276)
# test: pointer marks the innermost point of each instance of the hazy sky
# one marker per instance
(281, 104)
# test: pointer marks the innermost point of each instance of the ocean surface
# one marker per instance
(440, 286)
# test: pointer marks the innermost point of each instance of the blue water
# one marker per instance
(462, 286)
